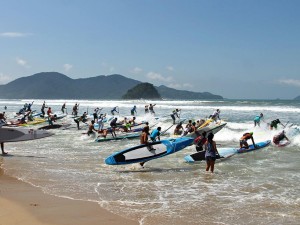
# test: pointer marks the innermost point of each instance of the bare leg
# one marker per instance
(2, 149)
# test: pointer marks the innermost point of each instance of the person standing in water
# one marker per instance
(257, 120)
(211, 152)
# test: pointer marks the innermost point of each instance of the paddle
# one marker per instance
(285, 124)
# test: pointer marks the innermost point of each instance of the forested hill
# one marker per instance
(53, 85)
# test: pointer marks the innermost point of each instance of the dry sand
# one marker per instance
(23, 204)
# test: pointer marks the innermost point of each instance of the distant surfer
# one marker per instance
(5, 108)
(279, 137)
(75, 109)
(63, 108)
(96, 113)
(244, 138)
(146, 109)
(133, 111)
(257, 119)
(151, 109)
(43, 109)
(114, 110)
(216, 115)
(175, 114)
(274, 124)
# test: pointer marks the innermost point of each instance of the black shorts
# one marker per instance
(210, 158)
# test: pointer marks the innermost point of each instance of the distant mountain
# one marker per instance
(143, 90)
(297, 98)
(171, 93)
(53, 85)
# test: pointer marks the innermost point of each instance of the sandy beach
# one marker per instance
(24, 204)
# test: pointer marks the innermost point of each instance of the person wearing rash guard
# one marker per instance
(257, 119)
(133, 111)
(155, 134)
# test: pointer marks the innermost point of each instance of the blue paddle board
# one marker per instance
(143, 153)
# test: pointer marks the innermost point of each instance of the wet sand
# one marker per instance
(21, 203)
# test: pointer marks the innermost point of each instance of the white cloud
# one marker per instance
(159, 77)
(170, 68)
(291, 82)
(136, 70)
(14, 34)
(184, 86)
(67, 67)
(4, 79)
(22, 62)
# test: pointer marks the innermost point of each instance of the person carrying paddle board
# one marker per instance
(144, 140)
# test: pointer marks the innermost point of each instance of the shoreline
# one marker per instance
(22, 203)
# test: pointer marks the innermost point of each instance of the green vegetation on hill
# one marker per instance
(142, 91)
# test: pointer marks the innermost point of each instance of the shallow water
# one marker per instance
(260, 187)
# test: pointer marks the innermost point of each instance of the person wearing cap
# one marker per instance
(175, 114)
(216, 115)
(257, 119)
(245, 138)
(133, 111)
(279, 137)
(274, 124)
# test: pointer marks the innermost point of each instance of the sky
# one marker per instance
(234, 48)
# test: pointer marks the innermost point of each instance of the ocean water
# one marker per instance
(259, 187)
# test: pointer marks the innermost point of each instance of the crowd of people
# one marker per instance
(203, 141)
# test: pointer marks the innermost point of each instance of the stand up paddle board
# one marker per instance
(8, 134)
(209, 129)
(252, 148)
(142, 153)
(119, 137)
(225, 153)
(55, 126)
